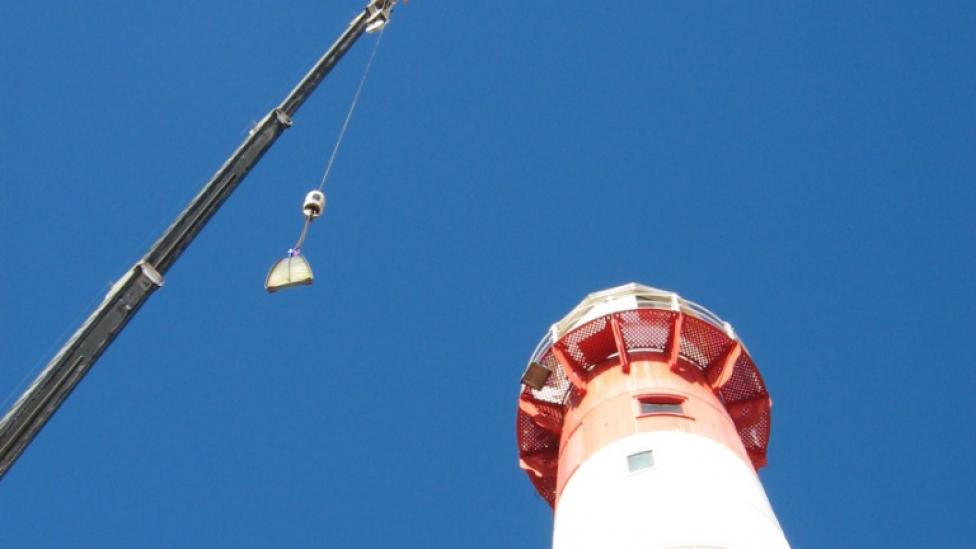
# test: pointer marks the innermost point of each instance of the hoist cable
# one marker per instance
(301, 238)
(352, 107)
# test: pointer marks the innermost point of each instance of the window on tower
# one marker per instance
(640, 460)
(649, 405)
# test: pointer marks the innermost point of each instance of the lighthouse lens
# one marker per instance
(293, 270)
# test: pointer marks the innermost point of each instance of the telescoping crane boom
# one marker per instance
(63, 373)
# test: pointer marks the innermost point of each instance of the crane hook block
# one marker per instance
(314, 204)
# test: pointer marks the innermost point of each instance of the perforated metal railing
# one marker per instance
(645, 318)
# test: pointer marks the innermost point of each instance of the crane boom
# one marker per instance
(63, 373)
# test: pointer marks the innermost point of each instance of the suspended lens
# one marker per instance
(293, 270)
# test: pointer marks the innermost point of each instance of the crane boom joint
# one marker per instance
(282, 118)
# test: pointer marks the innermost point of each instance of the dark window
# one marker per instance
(661, 404)
(640, 460)
(660, 408)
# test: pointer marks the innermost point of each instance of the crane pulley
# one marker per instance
(379, 14)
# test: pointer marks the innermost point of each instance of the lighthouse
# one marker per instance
(643, 420)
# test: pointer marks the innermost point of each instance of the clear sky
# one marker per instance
(806, 170)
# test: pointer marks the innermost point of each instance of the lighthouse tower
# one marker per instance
(642, 420)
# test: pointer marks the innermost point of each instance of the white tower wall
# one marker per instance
(694, 493)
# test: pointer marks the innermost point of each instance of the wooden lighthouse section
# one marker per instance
(642, 420)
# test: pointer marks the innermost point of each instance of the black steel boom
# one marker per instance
(39, 402)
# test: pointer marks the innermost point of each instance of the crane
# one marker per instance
(76, 357)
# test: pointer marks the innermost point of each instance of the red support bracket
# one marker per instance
(746, 412)
(574, 375)
(526, 467)
(720, 370)
(531, 408)
(618, 339)
(674, 338)
(540, 465)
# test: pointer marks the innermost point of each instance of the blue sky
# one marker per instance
(805, 170)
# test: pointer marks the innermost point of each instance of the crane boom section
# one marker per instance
(63, 373)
